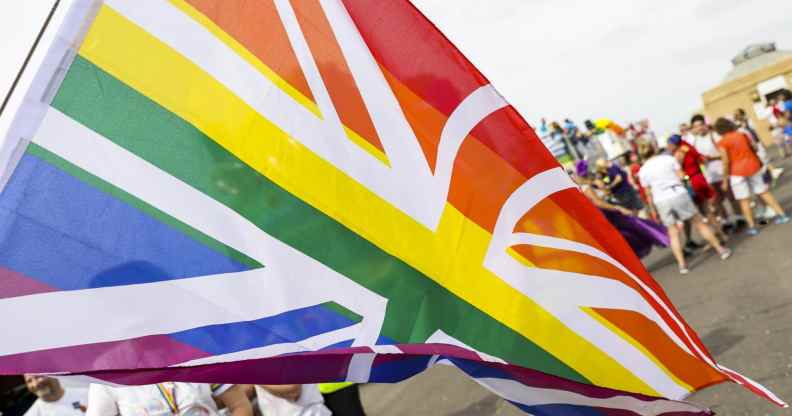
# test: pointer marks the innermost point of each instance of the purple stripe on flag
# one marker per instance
(13, 284)
(288, 369)
(146, 352)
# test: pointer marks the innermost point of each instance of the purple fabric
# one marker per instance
(581, 168)
(641, 234)
(145, 352)
(13, 284)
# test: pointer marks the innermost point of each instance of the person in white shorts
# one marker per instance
(661, 176)
(54, 399)
(186, 399)
(745, 173)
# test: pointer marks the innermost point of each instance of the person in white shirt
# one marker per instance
(291, 400)
(669, 199)
(187, 399)
(53, 399)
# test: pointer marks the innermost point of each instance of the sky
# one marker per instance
(621, 59)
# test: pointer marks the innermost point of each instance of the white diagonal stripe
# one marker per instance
(309, 344)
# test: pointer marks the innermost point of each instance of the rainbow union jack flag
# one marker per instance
(294, 191)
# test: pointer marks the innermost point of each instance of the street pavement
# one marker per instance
(741, 308)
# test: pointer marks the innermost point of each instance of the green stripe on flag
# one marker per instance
(417, 306)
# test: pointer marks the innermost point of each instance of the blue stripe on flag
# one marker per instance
(70, 235)
(398, 368)
(292, 326)
(343, 344)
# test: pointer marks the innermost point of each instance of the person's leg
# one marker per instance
(710, 212)
(718, 201)
(687, 229)
(747, 212)
(741, 187)
(706, 232)
(676, 246)
(770, 200)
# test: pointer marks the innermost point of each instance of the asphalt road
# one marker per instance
(741, 308)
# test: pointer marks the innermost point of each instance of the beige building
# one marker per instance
(759, 74)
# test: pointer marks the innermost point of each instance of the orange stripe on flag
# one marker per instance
(636, 328)
(260, 30)
(334, 70)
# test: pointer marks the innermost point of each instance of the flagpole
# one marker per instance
(29, 55)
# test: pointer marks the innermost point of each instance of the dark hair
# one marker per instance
(741, 112)
(697, 117)
(646, 150)
(724, 125)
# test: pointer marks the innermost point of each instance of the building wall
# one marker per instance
(724, 99)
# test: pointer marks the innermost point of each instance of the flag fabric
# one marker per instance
(313, 190)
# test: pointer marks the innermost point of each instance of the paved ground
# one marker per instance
(742, 309)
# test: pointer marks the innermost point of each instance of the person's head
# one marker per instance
(684, 128)
(633, 158)
(698, 125)
(723, 125)
(740, 114)
(646, 151)
(601, 166)
(674, 142)
(590, 125)
(45, 388)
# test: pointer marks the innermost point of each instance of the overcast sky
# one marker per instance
(622, 59)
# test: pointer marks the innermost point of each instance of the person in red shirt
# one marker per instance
(745, 172)
(703, 194)
(635, 166)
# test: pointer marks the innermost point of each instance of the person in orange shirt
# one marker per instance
(745, 172)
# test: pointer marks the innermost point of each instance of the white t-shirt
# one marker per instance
(73, 403)
(192, 399)
(707, 146)
(310, 403)
(661, 175)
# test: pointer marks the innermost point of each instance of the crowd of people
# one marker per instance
(714, 178)
(192, 399)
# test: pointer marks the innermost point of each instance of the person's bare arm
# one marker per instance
(726, 161)
(616, 181)
(650, 201)
(236, 401)
(600, 203)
